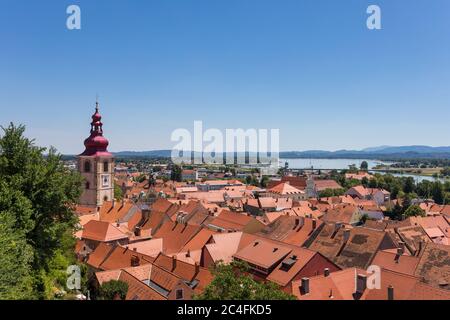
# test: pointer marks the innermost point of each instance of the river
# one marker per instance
(340, 164)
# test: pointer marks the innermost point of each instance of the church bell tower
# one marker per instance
(96, 165)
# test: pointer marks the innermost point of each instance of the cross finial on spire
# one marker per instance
(96, 102)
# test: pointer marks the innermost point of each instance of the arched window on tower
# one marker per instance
(87, 166)
(105, 166)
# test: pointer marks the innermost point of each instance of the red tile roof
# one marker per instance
(176, 235)
(102, 231)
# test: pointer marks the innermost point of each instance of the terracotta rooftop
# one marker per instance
(117, 212)
(175, 235)
(102, 231)
(434, 265)
(199, 240)
(123, 258)
(285, 188)
(355, 247)
(291, 265)
(263, 253)
(138, 290)
(148, 247)
(326, 184)
(231, 220)
(399, 263)
(99, 255)
(348, 214)
(291, 229)
(339, 285)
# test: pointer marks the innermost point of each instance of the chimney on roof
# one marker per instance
(326, 272)
(398, 255)
(314, 224)
(135, 261)
(174, 262)
(421, 245)
(137, 231)
(361, 282)
(256, 243)
(390, 292)
(197, 267)
(346, 235)
(113, 203)
(304, 289)
(135, 249)
(188, 253)
(401, 245)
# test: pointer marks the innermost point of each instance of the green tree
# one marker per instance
(446, 172)
(232, 282)
(365, 182)
(414, 211)
(16, 256)
(437, 191)
(175, 174)
(39, 194)
(331, 193)
(140, 178)
(113, 289)
(406, 202)
(118, 193)
(409, 185)
(364, 165)
(397, 211)
(264, 181)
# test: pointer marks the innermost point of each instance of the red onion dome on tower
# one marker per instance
(96, 144)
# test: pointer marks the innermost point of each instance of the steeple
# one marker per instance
(96, 144)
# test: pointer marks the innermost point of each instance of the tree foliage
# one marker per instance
(232, 282)
(414, 211)
(113, 289)
(37, 196)
(364, 165)
(331, 193)
(175, 174)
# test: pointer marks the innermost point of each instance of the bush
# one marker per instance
(113, 289)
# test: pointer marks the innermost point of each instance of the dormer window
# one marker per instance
(179, 294)
(288, 263)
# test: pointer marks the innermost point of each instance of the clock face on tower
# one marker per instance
(105, 180)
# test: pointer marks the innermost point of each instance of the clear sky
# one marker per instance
(308, 67)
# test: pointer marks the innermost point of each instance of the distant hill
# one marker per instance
(381, 152)
(402, 152)
(148, 154)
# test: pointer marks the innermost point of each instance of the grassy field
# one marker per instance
(417, 171)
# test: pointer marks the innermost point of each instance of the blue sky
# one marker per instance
(310, 68)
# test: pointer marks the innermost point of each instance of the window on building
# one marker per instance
(87, 185)
(105, 198)
(179, 294)
(87, 166)
(105, 166)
